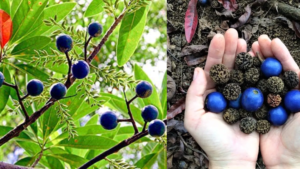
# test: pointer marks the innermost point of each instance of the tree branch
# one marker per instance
(85, 47)
(19, 97)
(116, 148)
(70, 65)
(145, 125)
(124, 120)
(11, 166)
(130, 114)
(16, 131)
(38, 159)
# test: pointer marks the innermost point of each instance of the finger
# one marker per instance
(215, 56)
(281, 52)
(241, 46)
(265, 46)
(215, 51)
(194, 99)
(231, 42)
(256, 48)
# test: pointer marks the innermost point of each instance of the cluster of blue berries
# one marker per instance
(156, 127)
(258, 93)
(80, 69)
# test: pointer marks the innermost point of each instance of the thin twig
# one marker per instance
(198, 151)
(19, 97)
(85, 47)
(124, 120)
(132, 99)
(70, 65)
(144, 128)
(24, 97)
(38, 159)
(130, 114)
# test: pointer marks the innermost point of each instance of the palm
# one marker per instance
(221, 142)
(281, 143)
(280, 146)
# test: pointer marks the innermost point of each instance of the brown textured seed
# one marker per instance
(263, 126)
(275, 84)
(231, 115)
(256, 61)
(262, 85)
(273, 99)
(252, 75)
(236, 76)
(232, 91)
(244, 61)
(244, 113)
(262, 113)
(248, 125)
(291, 79)
(219, 74)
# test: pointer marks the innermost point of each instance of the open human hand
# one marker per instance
(280, 147)
(225, 145)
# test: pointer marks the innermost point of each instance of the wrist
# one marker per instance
(232, 164)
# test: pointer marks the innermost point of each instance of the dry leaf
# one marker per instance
(171, 87)
(194, 60)
(193, 49)
(175, 109)
(244, 18)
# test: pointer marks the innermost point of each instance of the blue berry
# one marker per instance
(109, 120)
(95, 29)
(80, 69)
(271, 67)
(252, 99)
(149, 113)
(58, 91)
(202, 2)
(64, 43)
(143, 89)
(35, 87)
(216, 102)
(235, 103)
(156, 128)
(291, 101)
(277, 116)
(1, 78)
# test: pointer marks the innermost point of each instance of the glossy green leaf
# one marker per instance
(49, 120)
(26, 15)
(130, 33)
(95, 7)
(162, 159)
(54, 163)
(30, 147)
(59, 10)
(146, 161)
(163, 96)
(88, 142)
(154, 100)
(4, 90)
(31, 44)
(151, 148)
(73, 160)
(33, 71)
(27, 161)
(5, 6)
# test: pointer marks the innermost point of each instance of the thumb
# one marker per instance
(195, 97)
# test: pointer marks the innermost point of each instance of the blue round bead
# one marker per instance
(58, 91)
(80, 69)
(95, 29)
(252, 99)
(216, 102)
(291, 101)
(271, 67)
(277, 116)
(64, 43)
(156, 128)
(109, 120)
(143, 89)
(35, 87)
(149, 113)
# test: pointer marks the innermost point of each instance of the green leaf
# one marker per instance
(27, 161)
(151, 148)
(60, 10)
(26, 16)
(162, 159)
(33, 71)
(130, 32)
(88, 142)
(95, 7)
(5, 129)
(30, 147)
(73, 160)
(163, 95)
(54, 163)
(49, 121)
(4, 90)
(154, 100)
(5, 6)
(31, 44)
(146, 161)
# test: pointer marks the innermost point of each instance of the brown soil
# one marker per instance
(183, 151)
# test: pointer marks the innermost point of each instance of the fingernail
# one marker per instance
(196, 72)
